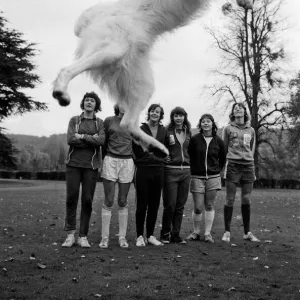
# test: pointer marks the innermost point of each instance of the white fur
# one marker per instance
(114, 44)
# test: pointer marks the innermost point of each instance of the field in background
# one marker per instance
(34, 266)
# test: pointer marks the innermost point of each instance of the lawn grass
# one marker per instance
(32, 216)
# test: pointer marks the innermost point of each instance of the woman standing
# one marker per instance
(149, 178)
(207, 154)
(239, 139)
(118, 167)
(85, 136)
(177, 176)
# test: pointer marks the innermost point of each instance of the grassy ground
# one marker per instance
(33, 265)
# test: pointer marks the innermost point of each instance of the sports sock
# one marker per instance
(106, 216)
(123, 220)
(246, 217)
(227, 216)
(196, 221)
(209, 219)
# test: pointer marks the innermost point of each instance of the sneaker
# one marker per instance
(83, 242)
(178, 240)
(122, 242)
(69, 242)
(226, 237)
(154, 241)
(165, 238)
(104, 243)
(250, 237)
(208, 238)
(140, 241)
(194, 237)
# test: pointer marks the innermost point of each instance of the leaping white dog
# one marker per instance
(114, 44)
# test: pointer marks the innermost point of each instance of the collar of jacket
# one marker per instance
(82, 116)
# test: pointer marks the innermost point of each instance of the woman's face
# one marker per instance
(238, 111)
(154, 114)
(178, 119)
(89, 104)
(206, 124)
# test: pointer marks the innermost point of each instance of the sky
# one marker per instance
(181, 61)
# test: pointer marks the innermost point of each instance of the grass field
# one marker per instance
(34, 265)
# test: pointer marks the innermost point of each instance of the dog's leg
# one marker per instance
(85, 63)
(139, 95)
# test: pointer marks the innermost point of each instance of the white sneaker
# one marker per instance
(226, 237)
(154, 241)
(69, 242)
(250, 237)
(83, 242)
(140, 242)
(122, 242)
(104, 243)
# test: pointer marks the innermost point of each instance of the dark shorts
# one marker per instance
(239, 173)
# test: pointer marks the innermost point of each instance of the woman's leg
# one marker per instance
(228, 207)
(73, 179)
(109, 194)
(198, 199)
(89, 180)
(123, 208)
(155, 188)
(246, 189)
(169, 201)
(142, 194)
(182, 196)
(209, 200)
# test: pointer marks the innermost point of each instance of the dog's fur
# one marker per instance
(114, 44)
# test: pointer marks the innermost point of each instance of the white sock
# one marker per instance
(196, 221)
(209, 219)
(123, 221)
(106, 216)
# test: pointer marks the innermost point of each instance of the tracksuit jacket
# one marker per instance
(210, 164)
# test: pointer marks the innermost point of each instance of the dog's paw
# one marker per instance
(62, 98)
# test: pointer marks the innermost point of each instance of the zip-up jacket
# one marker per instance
(86, 152)
(154, 157)
(178, 152)
(239, 143)
(206, 162)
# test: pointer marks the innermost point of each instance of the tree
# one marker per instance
(7, 153)
(16, 73)
(294, 111)
(250, 70)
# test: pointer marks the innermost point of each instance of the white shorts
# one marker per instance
(118, 169)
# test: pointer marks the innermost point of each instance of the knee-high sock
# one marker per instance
(106, 216)
(227, 216)
(123, 220)
(246, 217)
(196, 221)
(209, 219)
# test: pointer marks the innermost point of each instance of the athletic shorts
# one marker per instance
(118, 169)
(204, 185)
(239, 173)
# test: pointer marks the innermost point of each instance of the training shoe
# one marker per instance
(250, 237)
(70, 241)
(122, 242)
(178, 240)
(193, 237)
(83, 242)
(208, 238)
(165, 238)
(154, 241)
(104, 243)
(140, 242)
(226, 237)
